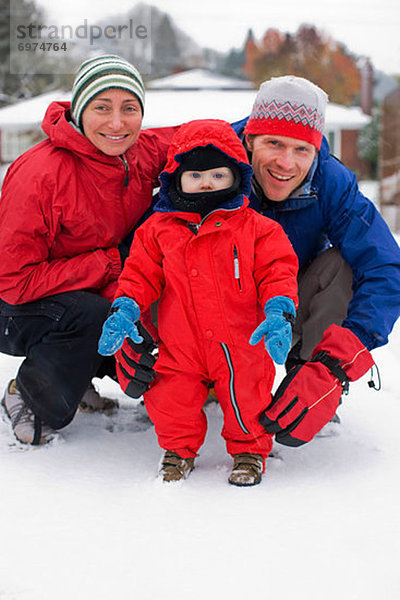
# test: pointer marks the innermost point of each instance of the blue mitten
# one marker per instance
(276, 328)
(124, 313)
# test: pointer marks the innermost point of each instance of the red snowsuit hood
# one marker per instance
(203, 133)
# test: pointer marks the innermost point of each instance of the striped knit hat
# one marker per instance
(103, 73)
(289, 106)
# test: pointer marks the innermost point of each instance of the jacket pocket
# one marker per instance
(39, 308)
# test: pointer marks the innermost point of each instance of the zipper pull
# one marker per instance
(236, 266)
(126, 166)
(194, 228)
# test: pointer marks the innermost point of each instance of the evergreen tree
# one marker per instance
(165, 49)
(368, 142)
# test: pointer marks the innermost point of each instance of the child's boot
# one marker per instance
(174, 467)
(247, 469)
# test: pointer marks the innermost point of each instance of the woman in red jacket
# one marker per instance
(215, 265)
(67, 205)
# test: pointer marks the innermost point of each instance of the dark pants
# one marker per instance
(325, 290)
(58, 336)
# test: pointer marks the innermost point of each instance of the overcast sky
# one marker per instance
(367, 27)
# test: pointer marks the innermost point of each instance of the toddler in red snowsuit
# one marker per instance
(214, 264)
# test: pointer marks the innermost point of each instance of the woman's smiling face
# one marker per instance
(112, 121)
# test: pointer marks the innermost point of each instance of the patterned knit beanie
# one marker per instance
(289, 106)
(103, 73)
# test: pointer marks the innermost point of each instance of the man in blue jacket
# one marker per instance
(349, 282)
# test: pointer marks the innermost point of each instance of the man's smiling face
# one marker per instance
(280, 163)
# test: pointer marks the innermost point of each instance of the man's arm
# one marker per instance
(366, 243)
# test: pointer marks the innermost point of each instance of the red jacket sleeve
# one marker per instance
(142, 277)
(276, 263)
(28, 229)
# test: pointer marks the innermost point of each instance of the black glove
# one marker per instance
(135, 362)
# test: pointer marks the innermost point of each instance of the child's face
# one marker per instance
(193, 182)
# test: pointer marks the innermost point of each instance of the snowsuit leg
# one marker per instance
(325, 290)
(176, 399)
(58, 335)
(243, 381)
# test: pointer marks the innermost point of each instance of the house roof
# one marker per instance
(29, 113)
(199, 79)
(345, 117)
(172, 106)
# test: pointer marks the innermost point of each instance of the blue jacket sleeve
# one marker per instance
(366, 243)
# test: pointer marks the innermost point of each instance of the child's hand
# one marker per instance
(124, 313)
(276, 328)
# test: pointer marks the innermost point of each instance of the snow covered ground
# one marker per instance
(85, 518)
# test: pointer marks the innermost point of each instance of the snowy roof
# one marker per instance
(198, 79)
(344, 117)
(29, 113)
(169, 107)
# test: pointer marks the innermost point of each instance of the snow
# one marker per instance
(198, 79)
(344, 117)
(86, 517)
(26, 114)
